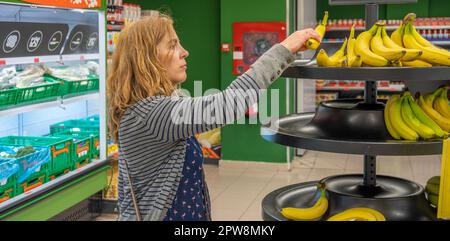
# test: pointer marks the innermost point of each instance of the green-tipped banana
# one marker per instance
(433, 199)
(425, 119)
(387, 118)
(441, 103)
(436, 180)
(427, 107)
(320, 29)
(410, 119)
(432, 189)
(399, 124)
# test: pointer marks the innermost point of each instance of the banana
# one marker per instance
(377, 214)
(430, 55)
(397, 35)
(352, 59)
(362, 47)
(425, 43)
(425, 119)
(378, 47)
(387, 118)
(303, 214)
(432, 189)
(356, 61)
(441, 103)
(410, 119)
(411, 54)
(436, 180)
(427, 107)
(321, 29)
(324, 61)
(364, 214)
(337, 60)
(433, 199)
(417, 63)
(398, 124)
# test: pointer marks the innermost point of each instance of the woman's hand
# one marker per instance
(297, 41)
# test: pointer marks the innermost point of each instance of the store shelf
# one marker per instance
(30, 60)
(61, 102)
(79, 57)
(114, 27)
(397, 199)
(389, 28)
(54, 195)
(392, 88)
(352, 131)
(443, 43)
(368, 73)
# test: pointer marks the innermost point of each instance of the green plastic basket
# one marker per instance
(60, 147)
(8, 98)
(74, 126)
(82, 147)
(32, 182)
(8, 188)
(49, 91)
(90, 84)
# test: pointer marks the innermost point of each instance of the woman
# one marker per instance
(160, 162)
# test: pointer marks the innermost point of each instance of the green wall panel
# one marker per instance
(197, 26)
(244, 142)
(345, 12)
(398, 11)
(439, 8)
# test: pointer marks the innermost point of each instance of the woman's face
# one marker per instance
(175, 56)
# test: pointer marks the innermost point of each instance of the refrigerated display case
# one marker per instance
(53, 69)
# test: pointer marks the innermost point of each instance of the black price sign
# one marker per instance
(19, 39)
(82, 39)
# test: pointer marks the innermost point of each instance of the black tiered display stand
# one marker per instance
(353, 127)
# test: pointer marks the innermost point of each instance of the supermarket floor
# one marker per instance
(237, 188)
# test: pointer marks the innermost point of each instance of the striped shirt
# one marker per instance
(153, 134)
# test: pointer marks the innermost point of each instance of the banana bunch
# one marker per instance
(412, 120)
(411, 39)
(358, 214)
(320, 29)
(432, 190)
(374, 48)
(338, 59)
(436, 106)
(308, 214)
(344, 57)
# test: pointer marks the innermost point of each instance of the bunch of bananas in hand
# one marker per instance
(374, 48)
(308, 214)
(427, 117)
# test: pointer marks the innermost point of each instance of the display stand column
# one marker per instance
(370, 98)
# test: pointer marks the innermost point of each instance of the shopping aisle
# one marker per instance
(238, 188)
